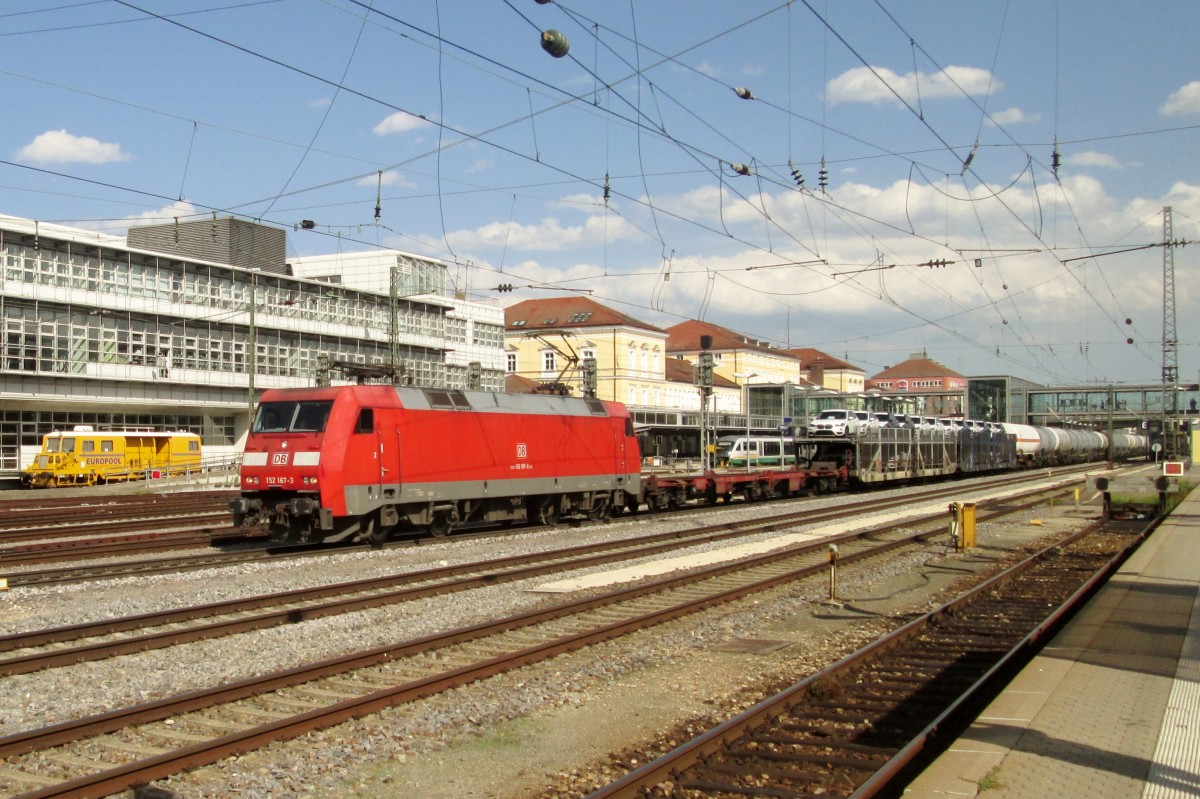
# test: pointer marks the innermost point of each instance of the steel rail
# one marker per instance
(389, 589)
(126, 568)
(672, 765)
(218, 748)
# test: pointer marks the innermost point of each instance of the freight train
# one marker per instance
(85, 456)
(357, 462)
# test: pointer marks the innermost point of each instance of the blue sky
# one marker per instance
(633, 167)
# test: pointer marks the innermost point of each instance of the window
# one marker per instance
(511, 365)
(305, 416)
(366, 421)
(549, 362)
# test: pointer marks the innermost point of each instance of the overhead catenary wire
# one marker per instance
(751, 240)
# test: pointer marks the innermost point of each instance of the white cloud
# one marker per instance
(1184, 101)
(60, 147)
(547, 235)
(867, 85)
(389, 178)
(400, 122)
(1092, 158)
(1013, 116)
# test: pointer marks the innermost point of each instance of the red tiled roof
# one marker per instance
(681, 370)
(685, 337)
(558, 313)
(516, 384)
(916, 367)
(810, 357)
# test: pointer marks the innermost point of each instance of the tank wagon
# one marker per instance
(354, 462)
(1051, 446)
(85, 456)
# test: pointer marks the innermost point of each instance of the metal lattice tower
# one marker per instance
(1170, 340)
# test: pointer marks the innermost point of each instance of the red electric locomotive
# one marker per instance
(354, 462)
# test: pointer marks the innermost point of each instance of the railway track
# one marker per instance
(34, 532)
(140, 544)
(145, 742)
(22, 653)
(26, 652)
(857, 728)
(37, 519)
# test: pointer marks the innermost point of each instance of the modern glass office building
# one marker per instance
(142, 332)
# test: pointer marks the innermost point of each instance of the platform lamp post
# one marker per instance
(747, 376)
(252, 346)
(704, 381)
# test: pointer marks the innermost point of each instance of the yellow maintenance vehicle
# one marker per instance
(85, 456)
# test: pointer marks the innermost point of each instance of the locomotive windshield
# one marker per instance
(303, 416)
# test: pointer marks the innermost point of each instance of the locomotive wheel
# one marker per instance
(547, 513)
(439, 525)
(601, 511)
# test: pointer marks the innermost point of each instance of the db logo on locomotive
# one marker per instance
(279, 458)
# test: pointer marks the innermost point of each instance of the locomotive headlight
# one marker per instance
(311, 481)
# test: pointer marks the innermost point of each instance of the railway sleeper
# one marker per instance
(12, 776)
(754, 771)
(172, 734)
(867, 762)
(261, 713)
(130, 748)
(295, 703)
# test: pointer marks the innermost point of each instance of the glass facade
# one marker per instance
(142, 330)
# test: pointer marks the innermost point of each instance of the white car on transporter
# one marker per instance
(837, 422)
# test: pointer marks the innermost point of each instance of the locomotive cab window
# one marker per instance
(366, 421)
(88, 446)
(106, 445)
(306, 416)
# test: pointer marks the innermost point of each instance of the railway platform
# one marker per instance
(1110, 709)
